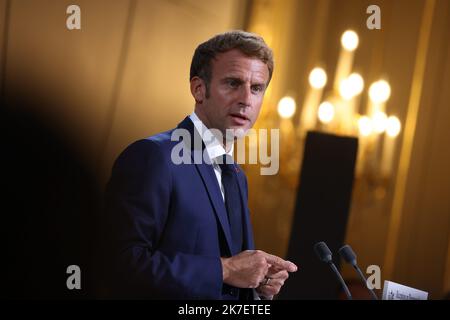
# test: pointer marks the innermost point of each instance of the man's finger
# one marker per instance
(280, 263)
(283, 274)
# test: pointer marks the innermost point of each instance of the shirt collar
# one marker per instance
(213, 146)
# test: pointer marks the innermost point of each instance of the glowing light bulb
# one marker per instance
(365, 126)
(380, 91)
(286, 107)
(318, 78)
(351, 87)
(356, 82)
(349, 40)
(393, 126)
(326, 112)
(379, 120)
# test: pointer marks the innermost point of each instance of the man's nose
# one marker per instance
(245, 98)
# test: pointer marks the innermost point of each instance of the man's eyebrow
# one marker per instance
(226, 78)
(259, 84)
(240, 80)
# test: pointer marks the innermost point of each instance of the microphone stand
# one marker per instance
(341, 280)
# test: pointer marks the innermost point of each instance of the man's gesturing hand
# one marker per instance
(249, 268)
(272, 286)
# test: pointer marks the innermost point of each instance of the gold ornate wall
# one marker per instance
(401, 224)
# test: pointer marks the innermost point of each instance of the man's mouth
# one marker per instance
(239, 119)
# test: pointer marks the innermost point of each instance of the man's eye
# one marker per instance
(233, 83)
(257, 88)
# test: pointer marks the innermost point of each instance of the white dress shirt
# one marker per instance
(213, 146)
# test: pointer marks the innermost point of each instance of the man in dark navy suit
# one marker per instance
(181, 227)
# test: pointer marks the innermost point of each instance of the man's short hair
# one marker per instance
(248, 43)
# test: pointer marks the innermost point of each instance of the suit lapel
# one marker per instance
(215, 195)
(248, 234)
(208, 176)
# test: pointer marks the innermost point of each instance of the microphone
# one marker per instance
(349, 256)
(324, 254)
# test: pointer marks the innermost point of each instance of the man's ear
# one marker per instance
(198, 89)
